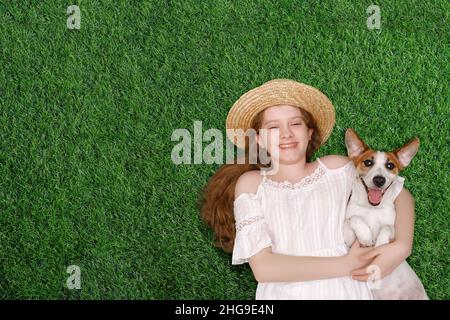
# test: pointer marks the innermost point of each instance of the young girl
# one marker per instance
(286, 218)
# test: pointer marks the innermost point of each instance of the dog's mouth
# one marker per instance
(374, 196)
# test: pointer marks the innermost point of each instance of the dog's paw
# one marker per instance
(349, 237)
(366, 242)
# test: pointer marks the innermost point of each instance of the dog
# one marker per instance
(370, 215)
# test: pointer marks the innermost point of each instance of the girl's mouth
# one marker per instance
(288, 145)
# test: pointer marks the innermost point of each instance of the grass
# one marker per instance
(86, 118)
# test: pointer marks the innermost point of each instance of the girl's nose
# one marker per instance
(285, 132)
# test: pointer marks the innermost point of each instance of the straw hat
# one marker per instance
(278, 92)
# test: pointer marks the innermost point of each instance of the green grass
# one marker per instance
(87, 115)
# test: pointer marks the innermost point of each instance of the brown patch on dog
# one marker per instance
(393, 158)
(359, 161)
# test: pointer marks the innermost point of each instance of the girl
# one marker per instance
(286, 218)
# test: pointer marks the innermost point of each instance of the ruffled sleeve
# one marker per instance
(396, 188)
(350, 175)
(252, 233)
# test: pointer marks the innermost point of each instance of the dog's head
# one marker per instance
(378, 169)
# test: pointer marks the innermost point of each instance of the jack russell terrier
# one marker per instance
(370, 215)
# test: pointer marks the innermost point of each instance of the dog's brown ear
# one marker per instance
(355, 145)
(407, 152)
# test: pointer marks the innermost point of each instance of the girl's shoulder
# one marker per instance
(335, 161)
(248, 182)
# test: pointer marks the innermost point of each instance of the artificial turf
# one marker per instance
(86, 118)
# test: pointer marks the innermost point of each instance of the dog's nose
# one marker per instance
(379, 181)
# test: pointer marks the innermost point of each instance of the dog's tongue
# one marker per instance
(375, 196)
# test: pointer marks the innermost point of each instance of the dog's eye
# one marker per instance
(390, 165)
(368, 163)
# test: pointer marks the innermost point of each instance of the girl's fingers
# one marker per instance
(360, 278)
(367, 251)
(359, 272)
(371, 254)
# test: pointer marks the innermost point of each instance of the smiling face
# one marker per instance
(377, 169)
(284, 134)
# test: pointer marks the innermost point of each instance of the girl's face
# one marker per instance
(285, 135)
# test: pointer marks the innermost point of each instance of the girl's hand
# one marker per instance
(387, 258)
(356, 257)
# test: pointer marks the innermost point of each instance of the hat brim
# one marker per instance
(280, 92)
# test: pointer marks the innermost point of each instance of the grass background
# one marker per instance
(87, 115)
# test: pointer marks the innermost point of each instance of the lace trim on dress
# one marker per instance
(307, 180)
(247, 222)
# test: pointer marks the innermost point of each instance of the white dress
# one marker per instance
(301, 219)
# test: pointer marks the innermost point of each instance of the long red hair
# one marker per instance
(217, 200)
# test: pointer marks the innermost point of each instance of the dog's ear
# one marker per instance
(407, 152)
(355, 146)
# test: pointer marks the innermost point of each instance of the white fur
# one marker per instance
(375, 226)
(379, 169)
(366, 220)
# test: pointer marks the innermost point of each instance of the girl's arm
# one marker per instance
(404, 221)
(272, 267)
